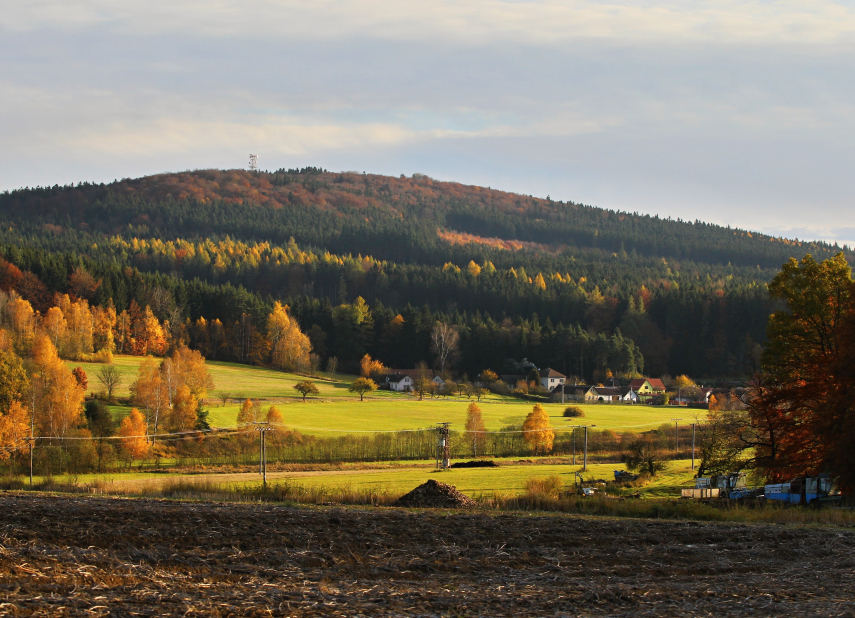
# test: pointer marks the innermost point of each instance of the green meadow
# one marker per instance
(335, 410)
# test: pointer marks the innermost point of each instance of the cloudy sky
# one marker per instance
(740, 113)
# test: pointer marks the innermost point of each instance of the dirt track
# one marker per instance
(99, 556)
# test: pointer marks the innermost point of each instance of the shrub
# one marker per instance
(573, 412)
(544, 487)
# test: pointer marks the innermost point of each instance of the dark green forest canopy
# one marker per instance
(690, 295)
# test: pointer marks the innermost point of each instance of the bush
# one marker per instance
(544, 487)
(573, 412)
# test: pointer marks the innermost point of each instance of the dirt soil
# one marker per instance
(103, 556)
(435, 495)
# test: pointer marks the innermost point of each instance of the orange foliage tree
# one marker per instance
(475, 429)
(135, 444)
(791, 408)
(538, 430)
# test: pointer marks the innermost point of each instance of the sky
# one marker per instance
(737, 113)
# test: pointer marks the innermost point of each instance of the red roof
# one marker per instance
(551, 373)
(655, 383)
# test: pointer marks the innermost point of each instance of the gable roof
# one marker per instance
(396, 377)
(656, 384)
(572, 388)
(551, 373)
(608, 391)
(411, 373)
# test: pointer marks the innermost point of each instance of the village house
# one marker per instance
(647, 388)
(550, 378)
(613, 394)
(403, 380)
(567, 393)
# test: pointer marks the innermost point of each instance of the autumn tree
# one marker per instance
(475, 429)
(488, 376)
(683, 381)
(332, 365)
(150, 392)
(371, 368)
(13, 378)
(81, 377)
(538, 430)
(289, 347)
(181, 415)
(790, 406)
(58, 403)
(110, 378)
(362, 386)
(135, 443)
(246, 414)
(306, 387)
(274, 416)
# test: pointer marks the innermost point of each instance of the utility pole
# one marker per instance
(442, 446)
(693, 445)
(676, 435)
(585, 460)
(262, 428)
(32, 439)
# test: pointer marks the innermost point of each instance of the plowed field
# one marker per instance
(99, 556)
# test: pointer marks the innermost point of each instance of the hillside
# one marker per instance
(583, 289)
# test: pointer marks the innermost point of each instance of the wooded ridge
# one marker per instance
(521, 277)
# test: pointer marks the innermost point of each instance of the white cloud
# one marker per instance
(734, 112)
(474, 21)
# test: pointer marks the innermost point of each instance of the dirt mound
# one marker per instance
(435, 495)
(480, 463)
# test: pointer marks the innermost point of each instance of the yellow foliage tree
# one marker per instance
(473, 268)
(289, 347)
(14, 428)
(274, 416)
(374, 369)
(683, 381)
(133, 429)
(151, 392)
(246, 413)
(182, 414)
(475, 429)
(538, 430)
(540, 282)
(58, 397)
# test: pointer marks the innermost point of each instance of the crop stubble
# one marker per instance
(100, 556)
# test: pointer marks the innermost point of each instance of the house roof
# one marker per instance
(608, 391)
(572, 388)
(656, 384)
(412, 373)
(396, 377)
(551, 373)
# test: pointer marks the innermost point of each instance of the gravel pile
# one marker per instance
(435, 495)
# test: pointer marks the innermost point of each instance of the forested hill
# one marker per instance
(563, 284)
(350, 213)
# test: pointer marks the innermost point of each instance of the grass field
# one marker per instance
(509, 478)
(336, 410)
